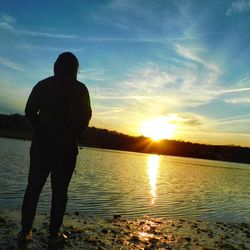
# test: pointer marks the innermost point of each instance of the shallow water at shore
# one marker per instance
(134, 185)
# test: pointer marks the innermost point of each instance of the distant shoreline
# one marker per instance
(27, 137)
(18, 127)
(15, 135)
(19, 136)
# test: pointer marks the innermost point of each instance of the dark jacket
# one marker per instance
(59, 112)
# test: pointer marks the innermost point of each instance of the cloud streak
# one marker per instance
(238, 100)
(46, 34)
(235, 119)
(125, 97)
(191, 55)
(10, 64)
(8, 24)
(238, 6)
(93, 74)
(234, 90)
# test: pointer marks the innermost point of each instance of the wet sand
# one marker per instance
(86, 232)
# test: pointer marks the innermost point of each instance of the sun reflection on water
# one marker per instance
(153, 164)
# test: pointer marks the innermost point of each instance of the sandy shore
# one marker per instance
(87, 232)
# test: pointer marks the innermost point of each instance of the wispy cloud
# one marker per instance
(182, 82)
(8, 18)
(229, 130)
(125, 97)
(238, 6)
(46, 34)
(9, 24)
(187, 119)
(149, 78)
(6, 26)
(104, 111)
(10, 64)
(191, 55)
(43, 48)
(225, 91)
(93, 74)
(136, 22)
(152, 90)
(123, 15)
(236, 96)
(234, 119)
(238, 100)
(188, 54)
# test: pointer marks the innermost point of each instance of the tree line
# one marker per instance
(18, 126)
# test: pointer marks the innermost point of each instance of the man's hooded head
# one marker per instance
(66, 66)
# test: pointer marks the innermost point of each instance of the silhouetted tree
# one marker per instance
(19, 127)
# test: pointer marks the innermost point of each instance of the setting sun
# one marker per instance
(158, 129)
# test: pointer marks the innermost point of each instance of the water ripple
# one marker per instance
(109, 182)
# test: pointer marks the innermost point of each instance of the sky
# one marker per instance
(185, 62)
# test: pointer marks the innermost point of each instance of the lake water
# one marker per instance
(110, 182)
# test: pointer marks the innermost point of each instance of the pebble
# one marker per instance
(2, 220)
(154, 240)
(104, 231)
(117, 216)
(135, 239)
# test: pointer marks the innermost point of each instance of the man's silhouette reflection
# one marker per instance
(59, 110)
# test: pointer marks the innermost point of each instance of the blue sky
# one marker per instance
(185, 61)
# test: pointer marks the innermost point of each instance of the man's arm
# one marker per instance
(86, 113)
(32, 107)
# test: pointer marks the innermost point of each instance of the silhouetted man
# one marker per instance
(59, 110)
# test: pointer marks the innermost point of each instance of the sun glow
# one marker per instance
(158, 129)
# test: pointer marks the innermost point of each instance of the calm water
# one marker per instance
(110, 182)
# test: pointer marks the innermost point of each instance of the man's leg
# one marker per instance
(38, 173)
(60, 179)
